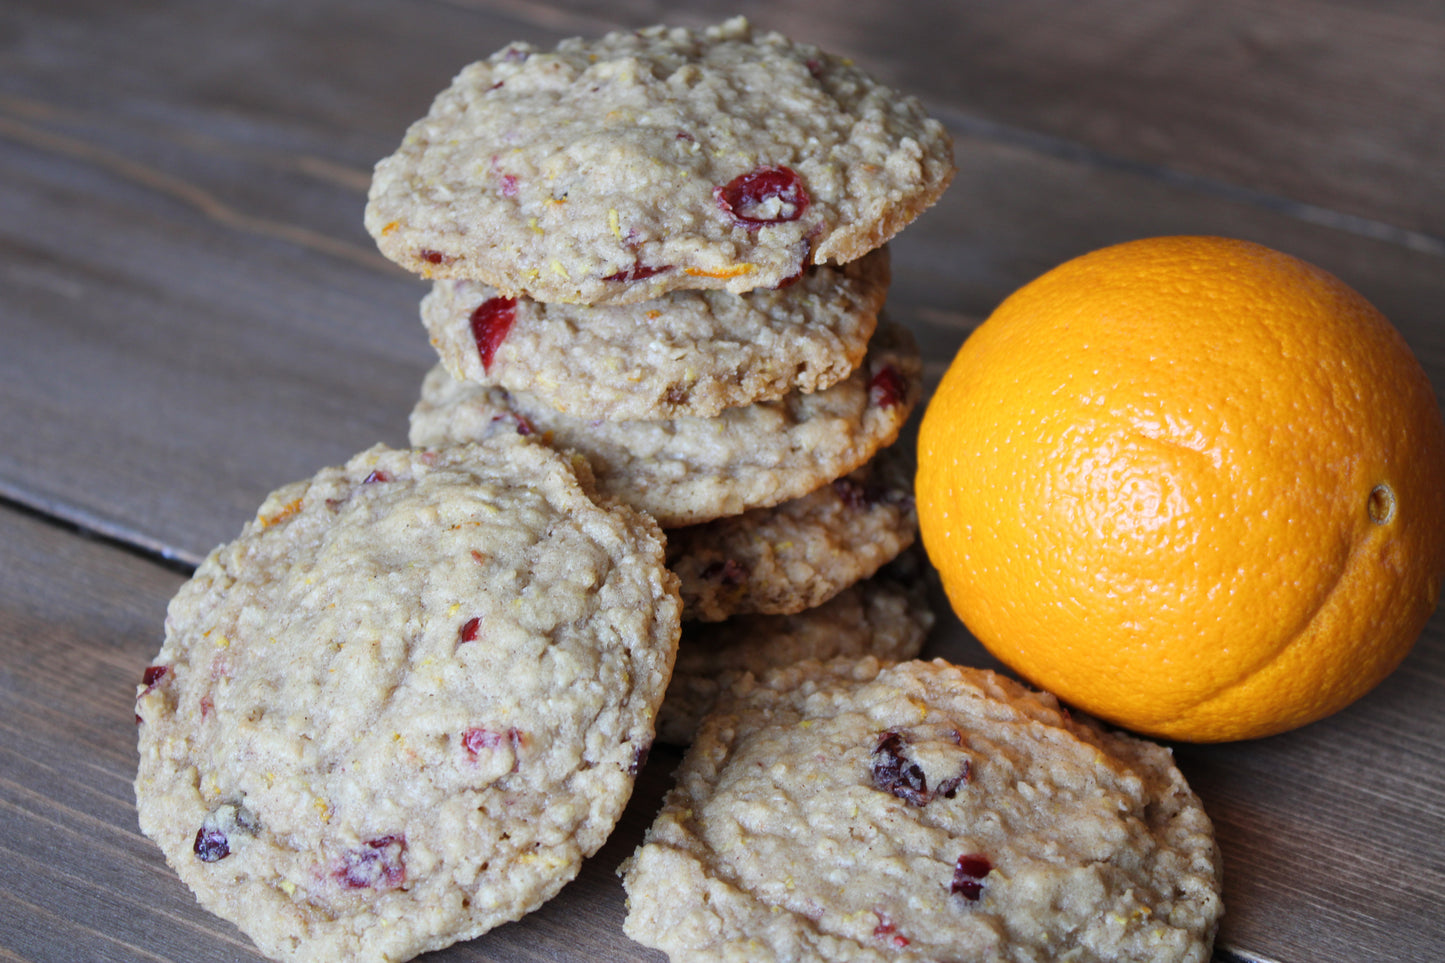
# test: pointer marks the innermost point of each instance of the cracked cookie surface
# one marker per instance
(616, 169)
(854, 810)
(407, 701)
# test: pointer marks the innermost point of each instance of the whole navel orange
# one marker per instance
(1191, 485)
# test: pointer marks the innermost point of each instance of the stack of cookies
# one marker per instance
(414, 693)
(664, 250)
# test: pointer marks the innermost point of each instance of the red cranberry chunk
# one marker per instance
(211, 845)
(887, 388)
(476, 740)
(491, 320)
(894, 773)
(768, 195)
(949, 787)
(639, 759)
(375, 864)
(638, 272)
(968, 875)
(376, 475)
(852, 494)
(153, 675)
(727, 572)
(805, 259)
(432, 257)
(469, 630)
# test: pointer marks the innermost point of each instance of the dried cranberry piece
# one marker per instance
(491, 320)
(968, 875)
(476, 739)
(226, 822)
(432, 257)
(211, 845)
(859, 496)
(728, 572)
(150, 679)
(509, 181)
(375, 864)
(377, 475)
(639, 759)
(469, 629)
(949, 787)
(886, 930)
(638, 272)
(852, 494)
(896, 774)
(768, 195)
(522, 425)
(887, 388)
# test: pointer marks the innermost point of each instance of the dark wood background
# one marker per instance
(192, 315)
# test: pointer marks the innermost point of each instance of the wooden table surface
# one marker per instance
(191, 315)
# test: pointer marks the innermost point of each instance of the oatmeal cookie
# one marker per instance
(799, 554)
(687, 354)
(857, 811)
(407, 701)
(886, 616)
(615, 170)
(689, 470)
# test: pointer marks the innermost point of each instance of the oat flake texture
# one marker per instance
(615, 170)
(854, 810)
(407, 701)
(688, 470)
(797, 555)
(687, 354)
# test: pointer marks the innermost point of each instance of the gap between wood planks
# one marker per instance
(80, 529)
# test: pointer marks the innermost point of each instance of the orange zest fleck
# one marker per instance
(736, 270)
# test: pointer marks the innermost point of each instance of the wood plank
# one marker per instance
(165, 369)
(1331, 104)
(182, 240)
(79, 621)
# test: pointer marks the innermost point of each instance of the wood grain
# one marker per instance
(1329, 105)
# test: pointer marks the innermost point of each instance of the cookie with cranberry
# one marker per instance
(615, 170)
(799, 554)
(921, 811)
(684, 471)
(407, 701)
(886, 616)
(686, 354)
